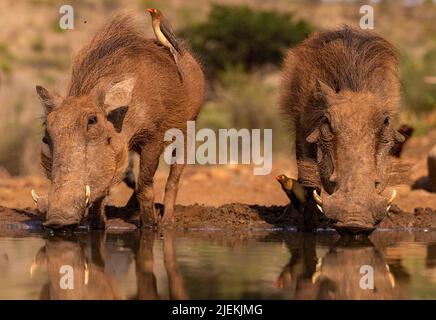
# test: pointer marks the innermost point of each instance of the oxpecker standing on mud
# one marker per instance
(293, 190)
(164, 33)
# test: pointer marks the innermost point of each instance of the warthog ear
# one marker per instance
(399, 137)
(116, 100)
(49, 101)
(119, 94)
(323, 91)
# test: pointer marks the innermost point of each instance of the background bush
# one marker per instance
(240, 36)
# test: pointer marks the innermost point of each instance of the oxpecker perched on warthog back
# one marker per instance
(124, 94)
(341, 91)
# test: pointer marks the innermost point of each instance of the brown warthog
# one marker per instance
(71, 276)
(124, 94)
(364, 273)
(340, 89)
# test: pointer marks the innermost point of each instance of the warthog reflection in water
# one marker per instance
(91, 281)
(338, 275)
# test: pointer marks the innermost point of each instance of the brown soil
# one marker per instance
(225, 197)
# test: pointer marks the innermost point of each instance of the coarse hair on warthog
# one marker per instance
(124, 94)
(340, 90)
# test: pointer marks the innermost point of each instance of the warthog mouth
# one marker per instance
(353, 229)
(319, 202)
(354, 221)
(57, 221)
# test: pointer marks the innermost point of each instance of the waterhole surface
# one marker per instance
(203, 264)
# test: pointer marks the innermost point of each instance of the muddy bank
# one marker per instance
(229, 217)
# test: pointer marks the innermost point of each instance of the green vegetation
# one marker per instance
(240, 36)
(6, 59)
(241, 50)
(419, 82)
(244, 100)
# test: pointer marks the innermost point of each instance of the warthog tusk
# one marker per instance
(317, 198)
(392, 198)
(317, 272)
(390, 276)
(86, 274)
(87, 195)
(34, 196)
(33, 267)
(320, 208)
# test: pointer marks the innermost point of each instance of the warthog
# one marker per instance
(124, 94)
(340, 89)
(71, 275)
(347, 270)
(91, 275)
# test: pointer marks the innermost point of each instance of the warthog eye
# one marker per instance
(386, 121)
(92, 119)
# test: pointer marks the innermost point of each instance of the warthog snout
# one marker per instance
(59, 216)
(57, 221)
(354, 214)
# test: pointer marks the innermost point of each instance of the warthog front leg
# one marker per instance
(145, 190)
(171, 189)
(145, 277)
(96, 214)
(177, 288)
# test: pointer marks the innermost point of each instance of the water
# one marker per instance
(215, 265)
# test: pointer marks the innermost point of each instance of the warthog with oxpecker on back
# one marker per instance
(124, 94)
(341, 90)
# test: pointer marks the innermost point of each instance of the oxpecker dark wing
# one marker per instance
(166, 29)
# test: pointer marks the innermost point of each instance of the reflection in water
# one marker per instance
(90, 281)
(146, 280)
(350, 270)
(208, 266)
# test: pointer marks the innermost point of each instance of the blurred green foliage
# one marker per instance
(240, 36)
(245, 100)
(419, 82)
(6, 58)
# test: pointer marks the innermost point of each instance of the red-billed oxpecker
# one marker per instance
(164, 33)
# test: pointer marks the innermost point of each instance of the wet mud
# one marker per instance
(236, 216)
